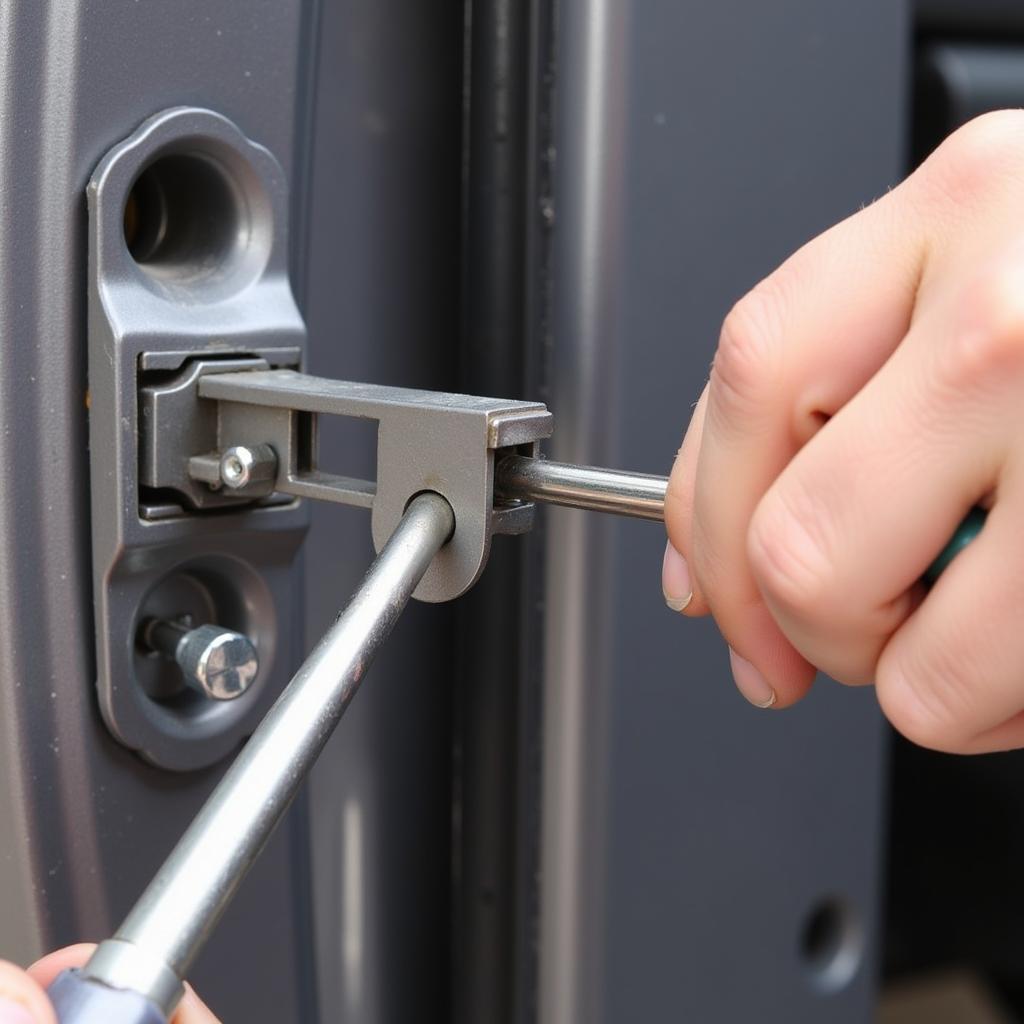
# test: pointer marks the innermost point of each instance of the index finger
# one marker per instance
(791, 354)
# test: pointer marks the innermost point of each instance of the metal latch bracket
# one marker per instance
(426, 441)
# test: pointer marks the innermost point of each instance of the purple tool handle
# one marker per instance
(79, 1000)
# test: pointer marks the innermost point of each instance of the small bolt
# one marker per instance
(242, 466)
(236, 466)
(218, 662)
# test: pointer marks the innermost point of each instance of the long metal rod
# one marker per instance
(600, 490)
(178, 910)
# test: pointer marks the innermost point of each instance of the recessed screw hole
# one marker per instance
(183, 218)
(831, 944)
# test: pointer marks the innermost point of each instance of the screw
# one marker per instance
(218, 662)
(236, 466)
(242, 466)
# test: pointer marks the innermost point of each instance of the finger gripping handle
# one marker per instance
(80, 1000)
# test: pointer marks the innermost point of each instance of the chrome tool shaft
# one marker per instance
(158, 940)
(638, 495)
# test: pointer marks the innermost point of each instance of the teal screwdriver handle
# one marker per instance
(965, 533)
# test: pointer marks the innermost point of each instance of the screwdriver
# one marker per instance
(638, 495)
(136, 977)
(642, 496)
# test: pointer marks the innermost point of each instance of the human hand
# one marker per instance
(23, 996)
(862, 399)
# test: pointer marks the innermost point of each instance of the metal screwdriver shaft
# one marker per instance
(642, 496)
(638, 495)
(157, 942)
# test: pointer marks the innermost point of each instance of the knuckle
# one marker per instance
(929, 702)
(978, 153)
(748, 358)
(989, 340)
(984, 350)
(788, 551)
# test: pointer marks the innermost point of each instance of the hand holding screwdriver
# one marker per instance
(23, 998)
(863, 399)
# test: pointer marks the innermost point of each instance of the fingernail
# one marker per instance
(14, 1013)
(750, 682)
(675, 579)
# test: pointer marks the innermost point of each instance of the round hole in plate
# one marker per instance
(211, 590)
(831, 944)
(198, 220)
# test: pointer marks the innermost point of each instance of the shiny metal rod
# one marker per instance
(600, 490)
(165, 930)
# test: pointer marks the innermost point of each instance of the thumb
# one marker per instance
(22, 1000)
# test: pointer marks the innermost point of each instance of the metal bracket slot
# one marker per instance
(261, 431)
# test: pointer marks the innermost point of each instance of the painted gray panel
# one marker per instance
(383, 307)
(698, 145)
(91, 822)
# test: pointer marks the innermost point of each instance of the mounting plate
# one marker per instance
(188, 259)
